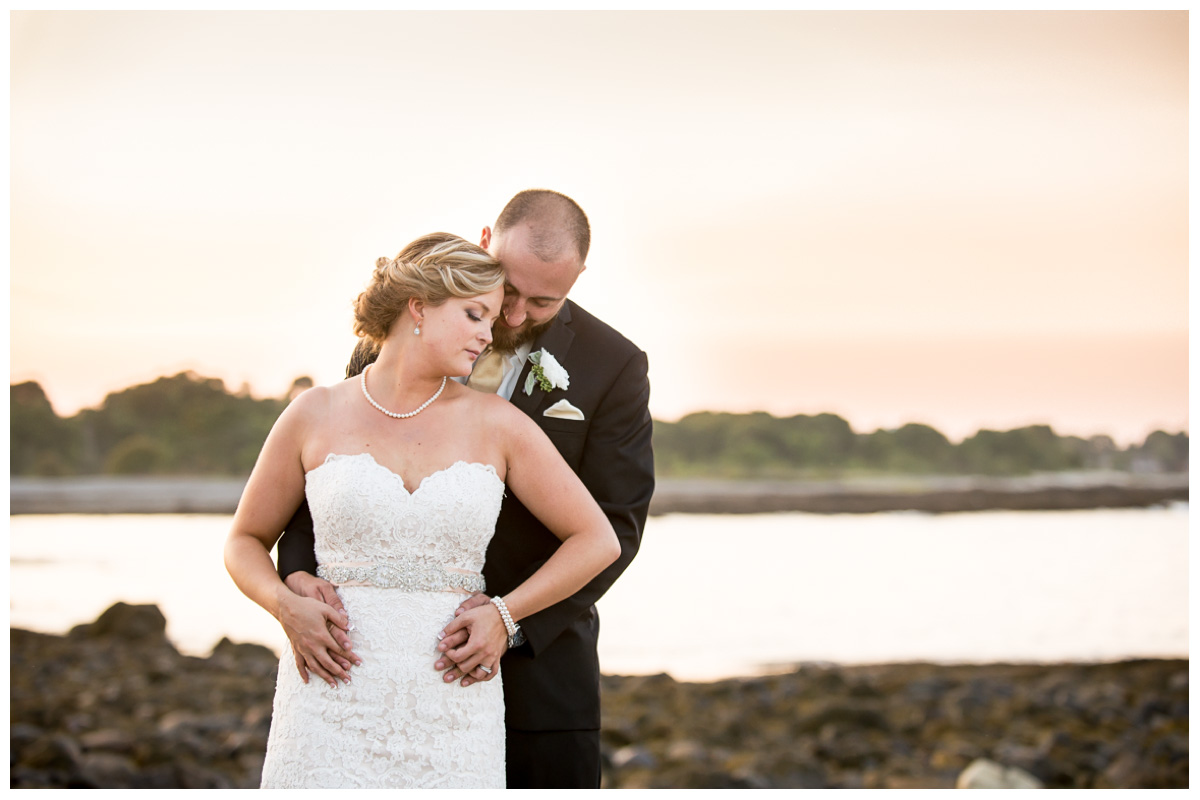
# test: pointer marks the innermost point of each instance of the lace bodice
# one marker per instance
(396, 724)
(362, 512)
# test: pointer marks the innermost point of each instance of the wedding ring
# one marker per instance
(485, 669)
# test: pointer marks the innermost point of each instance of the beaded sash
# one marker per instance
(407, 577)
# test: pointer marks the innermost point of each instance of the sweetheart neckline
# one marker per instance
(488, 468)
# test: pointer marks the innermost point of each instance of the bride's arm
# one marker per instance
(274, 490)
(543, 482)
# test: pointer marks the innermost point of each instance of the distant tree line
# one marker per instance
(191, 425)
(759, 445)
(182, 425)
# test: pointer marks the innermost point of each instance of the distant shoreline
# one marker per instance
(933, 494)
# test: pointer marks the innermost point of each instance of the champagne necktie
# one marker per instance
(488, 372)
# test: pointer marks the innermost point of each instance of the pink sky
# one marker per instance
(964, 219)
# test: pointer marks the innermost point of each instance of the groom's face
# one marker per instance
(534, 290)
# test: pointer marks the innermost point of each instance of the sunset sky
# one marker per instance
(965, 219)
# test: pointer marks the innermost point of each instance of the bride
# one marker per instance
(404, 472)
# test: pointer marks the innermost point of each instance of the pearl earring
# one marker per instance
(417, 330)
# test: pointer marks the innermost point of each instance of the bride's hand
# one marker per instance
(487, 641)
(307, 623)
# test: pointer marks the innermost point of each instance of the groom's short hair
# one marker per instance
(555, 220)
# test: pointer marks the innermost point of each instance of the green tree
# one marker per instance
(136, 455)
(189, 424)
(197, 426)
(1020, 451)
(1168, 452)
(40, 441)
(911, 449)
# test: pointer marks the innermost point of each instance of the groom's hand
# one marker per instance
(452, 643)
(459, 638)
(454, 672)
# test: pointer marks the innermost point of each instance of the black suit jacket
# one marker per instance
(553, 681)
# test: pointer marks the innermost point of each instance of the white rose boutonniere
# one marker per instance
(546, 372)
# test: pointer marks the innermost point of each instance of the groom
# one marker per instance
(551, 669)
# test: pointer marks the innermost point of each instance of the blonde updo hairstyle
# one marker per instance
(431, 269)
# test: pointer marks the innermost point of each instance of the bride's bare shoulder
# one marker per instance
(315, 404)
(491, 409)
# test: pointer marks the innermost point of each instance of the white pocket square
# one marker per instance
(563, 410)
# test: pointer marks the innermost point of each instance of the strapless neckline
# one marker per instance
(332, 457)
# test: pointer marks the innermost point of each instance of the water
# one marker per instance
(714, 596)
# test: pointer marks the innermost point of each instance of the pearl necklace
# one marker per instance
(362, 381)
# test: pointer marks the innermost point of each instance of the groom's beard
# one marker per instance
(507, 340)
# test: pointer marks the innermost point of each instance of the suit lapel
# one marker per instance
(556, 341)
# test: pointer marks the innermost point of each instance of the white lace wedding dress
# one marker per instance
(400, 560)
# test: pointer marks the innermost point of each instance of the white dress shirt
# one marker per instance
(512, 371)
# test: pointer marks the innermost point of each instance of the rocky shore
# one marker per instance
(934, 494)
(113, 704)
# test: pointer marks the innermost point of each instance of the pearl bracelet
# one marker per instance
(509, 625)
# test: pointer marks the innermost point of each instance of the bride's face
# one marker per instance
(461, 328)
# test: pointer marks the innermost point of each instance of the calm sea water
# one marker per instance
(714, 596)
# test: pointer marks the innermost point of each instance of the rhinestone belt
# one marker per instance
(408, 577)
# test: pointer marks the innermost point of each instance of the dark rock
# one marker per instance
(243, 650)
(928, 690)
(195, 776)
(245, 656)
(617, 736)
(125, 621)
(20, 736)
(856, 717)
(953, 756)
(916, 782)
(52, 753)
(1122, 773)
(800, 779)
(155, 776)
(1155, 707)
(116, 706)
(708, 778)
(25, 777)
(251, 766)
(107, 771)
